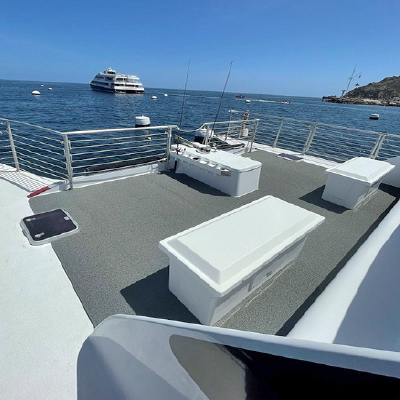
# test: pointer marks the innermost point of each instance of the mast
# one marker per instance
(344, 91)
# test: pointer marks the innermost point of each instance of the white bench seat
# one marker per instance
(215, 265)
(353, 182)
(229, 173)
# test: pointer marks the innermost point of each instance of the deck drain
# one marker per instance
(48, 226)
(290, 157)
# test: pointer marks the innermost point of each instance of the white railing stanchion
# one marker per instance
(279, 133)
(375, 151)
(12, 145)
(310, 137)
(68, 160)
(169, 141)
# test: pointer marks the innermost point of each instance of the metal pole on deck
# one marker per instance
(12, 145)
(279, 133)
(253, 138)
(310, 138)
(375, 151)
(68, 162)
(169, 140)
(208, 135)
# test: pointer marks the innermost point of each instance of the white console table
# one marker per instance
(217, 264)
(230, 173)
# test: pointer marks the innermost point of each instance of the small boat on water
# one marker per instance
(113, 82)
(374, 116)
(240, 96)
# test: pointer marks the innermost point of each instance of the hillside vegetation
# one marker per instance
(383, 93)
(387, 89)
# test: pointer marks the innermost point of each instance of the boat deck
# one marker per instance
(115, 265)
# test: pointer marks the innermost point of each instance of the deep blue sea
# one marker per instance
(70, 106)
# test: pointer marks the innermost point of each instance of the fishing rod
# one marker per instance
(184, 95)
(183, 106)
(222, 95)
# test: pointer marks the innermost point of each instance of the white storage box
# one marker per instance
(230, 173)
(217, 264)
(351, 183)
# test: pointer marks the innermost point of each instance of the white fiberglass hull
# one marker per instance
(122, 89)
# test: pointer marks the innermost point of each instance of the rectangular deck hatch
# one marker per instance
(290, 157)
(48, 226)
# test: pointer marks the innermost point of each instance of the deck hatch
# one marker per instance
(48, 226)
(290, 157)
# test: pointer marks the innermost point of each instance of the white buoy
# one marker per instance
(142, 120)
(36, 92)
(50, 88)
(41, 85)
(165, 95)
(153, 97)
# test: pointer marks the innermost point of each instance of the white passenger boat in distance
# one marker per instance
(113, 82)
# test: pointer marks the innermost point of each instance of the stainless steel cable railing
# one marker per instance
(331, 142)
(31, 147)
(94, 151)
(66, 155)
(243, 131)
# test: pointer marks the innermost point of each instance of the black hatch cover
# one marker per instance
(48, 226)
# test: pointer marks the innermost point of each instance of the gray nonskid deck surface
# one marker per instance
(115, 265)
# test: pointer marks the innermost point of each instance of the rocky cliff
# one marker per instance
(386, 92)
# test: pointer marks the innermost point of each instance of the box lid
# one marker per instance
(225, 159)
(363, 169)
(224, 250)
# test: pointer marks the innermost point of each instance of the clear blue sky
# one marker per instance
(283, 47)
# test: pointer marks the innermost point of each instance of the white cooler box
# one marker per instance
(217, 264)
(353, 182)
(230, 173)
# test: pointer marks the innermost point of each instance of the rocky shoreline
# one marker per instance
(370, 102)
(383, 93)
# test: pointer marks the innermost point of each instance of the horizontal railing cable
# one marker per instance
(66, 155)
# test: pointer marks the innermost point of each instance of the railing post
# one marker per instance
(12, 145)
(253, 136)
(310, 138)
(279, 132)
(375, 150)
(68, 160)
(169, 139)
(243, 131)
(208, 135)
(229, 125)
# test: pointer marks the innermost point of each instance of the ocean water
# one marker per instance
(70, 106)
